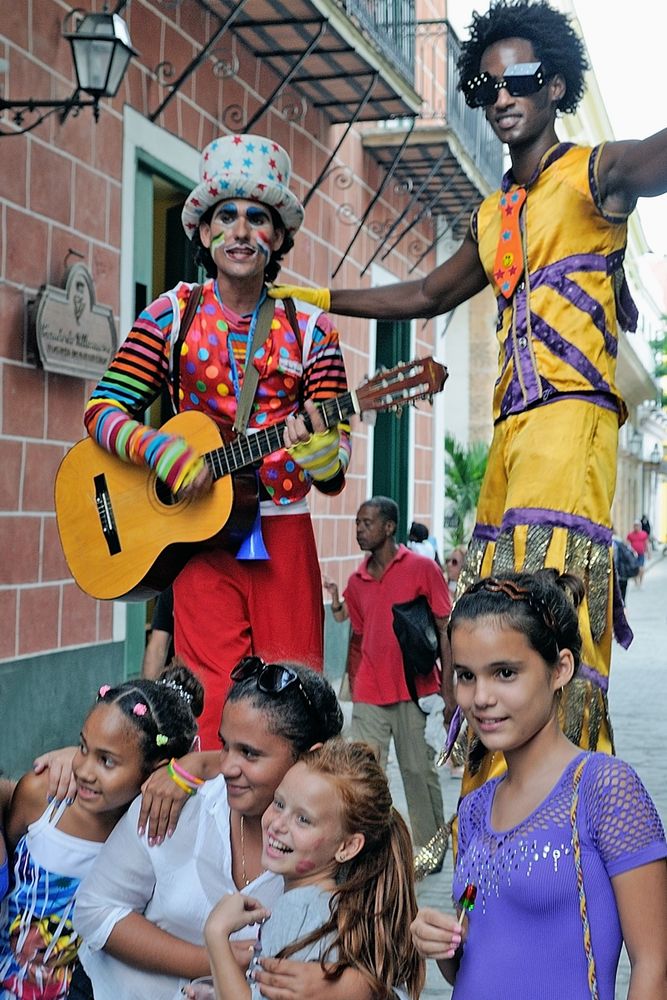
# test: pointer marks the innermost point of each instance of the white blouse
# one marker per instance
(175, 886)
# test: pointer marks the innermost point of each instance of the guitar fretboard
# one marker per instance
(246, 449)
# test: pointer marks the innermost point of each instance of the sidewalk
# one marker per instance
(637, 699)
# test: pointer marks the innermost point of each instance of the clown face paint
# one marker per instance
(241, 237)
(217, 242)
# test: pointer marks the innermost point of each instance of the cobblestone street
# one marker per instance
(637, 696)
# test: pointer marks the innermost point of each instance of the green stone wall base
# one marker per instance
(44, 700)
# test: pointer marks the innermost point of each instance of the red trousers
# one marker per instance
(225, 609)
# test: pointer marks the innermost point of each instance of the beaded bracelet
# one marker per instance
(178, 780)
(185, 775)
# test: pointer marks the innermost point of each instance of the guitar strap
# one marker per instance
(186, 322)
(251, 374)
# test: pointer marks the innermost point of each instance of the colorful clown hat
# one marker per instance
(243, 166)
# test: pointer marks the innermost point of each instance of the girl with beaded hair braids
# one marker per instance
(142, 909)
(130, 730)
(566, 850)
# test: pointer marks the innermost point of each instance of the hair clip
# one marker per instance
(161, 739)
(175, 686)
(139, 709)
(104, 690)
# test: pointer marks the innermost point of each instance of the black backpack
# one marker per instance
(627, 564)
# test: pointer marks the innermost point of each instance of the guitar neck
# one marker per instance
(246, 449)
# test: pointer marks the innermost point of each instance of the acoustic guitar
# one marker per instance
(126, 536)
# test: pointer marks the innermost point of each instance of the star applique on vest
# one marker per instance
(508, 265)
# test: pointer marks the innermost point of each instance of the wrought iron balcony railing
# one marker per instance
(438, 50)
(391, 26)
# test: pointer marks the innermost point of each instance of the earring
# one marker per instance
(340, 858)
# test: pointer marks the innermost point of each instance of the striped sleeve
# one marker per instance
(133, 380)
(324, 376)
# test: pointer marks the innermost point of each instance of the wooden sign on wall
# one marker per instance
(70, 333)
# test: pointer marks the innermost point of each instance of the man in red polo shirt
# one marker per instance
(383, 708)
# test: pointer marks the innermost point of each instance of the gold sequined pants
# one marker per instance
(546, 501)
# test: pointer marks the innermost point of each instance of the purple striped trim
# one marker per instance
(528, 371)
(563, 348)
(550, 395)
(556, 519)
(626, 309)
(622, 631)
(589, 674)
(453, 730)
(487, 532)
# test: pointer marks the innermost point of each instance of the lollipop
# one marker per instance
(467, 901)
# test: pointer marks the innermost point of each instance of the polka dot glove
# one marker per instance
(319, 455)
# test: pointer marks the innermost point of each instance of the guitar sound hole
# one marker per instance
(164, 494)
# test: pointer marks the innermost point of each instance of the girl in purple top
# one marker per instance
(515, 644)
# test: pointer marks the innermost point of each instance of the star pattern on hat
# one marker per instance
(244, 166)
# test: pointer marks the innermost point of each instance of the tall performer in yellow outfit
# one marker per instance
(551, 243)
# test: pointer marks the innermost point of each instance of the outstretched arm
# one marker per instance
(453, 282)
(631, 170)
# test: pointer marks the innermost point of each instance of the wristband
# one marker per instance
(185, 775)
(318, 297)
(319, 455)
(178, 780)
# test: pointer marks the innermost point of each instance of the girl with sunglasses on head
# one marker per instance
(566, 851)
(345, 856)
(142, 909)
(132, 729)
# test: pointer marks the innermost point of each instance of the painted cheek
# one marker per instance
(217, 242)
(304, 867)
(263, 243)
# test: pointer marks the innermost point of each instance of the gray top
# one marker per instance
(294, 915)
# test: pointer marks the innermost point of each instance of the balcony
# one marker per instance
(450, 158)
(351, 59)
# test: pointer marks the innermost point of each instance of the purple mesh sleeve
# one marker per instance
(623, 821)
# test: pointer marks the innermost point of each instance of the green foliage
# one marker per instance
(465, 466)
(659, 349)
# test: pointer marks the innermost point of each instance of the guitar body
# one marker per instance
(123, 533)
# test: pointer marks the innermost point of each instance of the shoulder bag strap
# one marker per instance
(583, 908)
(185, 324)
(251, 375)
(290, 312)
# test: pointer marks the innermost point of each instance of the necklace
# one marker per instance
(244, 873)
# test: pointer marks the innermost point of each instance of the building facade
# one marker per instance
(386, 159)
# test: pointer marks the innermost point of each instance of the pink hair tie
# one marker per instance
(139, 709)
(104, 689)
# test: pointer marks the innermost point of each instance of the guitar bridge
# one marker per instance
(105, 514)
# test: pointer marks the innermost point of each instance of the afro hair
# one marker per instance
(555, 42)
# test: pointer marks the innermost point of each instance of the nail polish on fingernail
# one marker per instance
(69, 800)
(170, 833)
(141, 831)
(151, 841)
(50, 799)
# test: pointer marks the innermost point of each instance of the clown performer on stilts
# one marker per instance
(551, 244)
